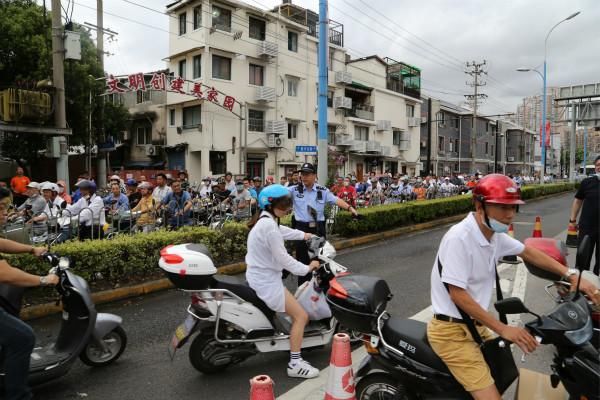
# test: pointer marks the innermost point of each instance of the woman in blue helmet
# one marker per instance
(267, 258)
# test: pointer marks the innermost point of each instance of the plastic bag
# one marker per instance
(312, 299)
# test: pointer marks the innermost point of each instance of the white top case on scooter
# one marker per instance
(194, 271)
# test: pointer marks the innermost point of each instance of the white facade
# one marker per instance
(275, 80)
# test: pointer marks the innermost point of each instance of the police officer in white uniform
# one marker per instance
(309, 200)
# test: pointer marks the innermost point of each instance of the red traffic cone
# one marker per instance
(537, 229)
(510, 259)
(572, 239)
(340, 383)
(261, 388)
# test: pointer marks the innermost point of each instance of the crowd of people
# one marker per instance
(177, 200)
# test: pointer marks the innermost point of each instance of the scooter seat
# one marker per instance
(244, 291)
(410, 337)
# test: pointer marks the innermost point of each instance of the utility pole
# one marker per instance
(572, 145)
(58, 77)
(101, 159)
(476, 69)
(322, 103)
(429, 112)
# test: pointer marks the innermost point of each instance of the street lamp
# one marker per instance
(544, 77)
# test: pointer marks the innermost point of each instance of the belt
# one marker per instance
(446, 318)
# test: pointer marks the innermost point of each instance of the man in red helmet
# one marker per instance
(463, 277)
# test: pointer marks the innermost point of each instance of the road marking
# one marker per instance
(314, 389)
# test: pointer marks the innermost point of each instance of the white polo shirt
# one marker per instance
(468, 261)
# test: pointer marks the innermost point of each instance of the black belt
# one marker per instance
(446, 318)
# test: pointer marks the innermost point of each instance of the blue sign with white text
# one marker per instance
(306, 149)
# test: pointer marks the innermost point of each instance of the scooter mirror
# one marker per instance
(584, 253)
(511, 305)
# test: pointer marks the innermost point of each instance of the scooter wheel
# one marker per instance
(115, 341)
(205, 355)
(380, 387)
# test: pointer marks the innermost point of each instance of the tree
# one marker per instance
(26, 56)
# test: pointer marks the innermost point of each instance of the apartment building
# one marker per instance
(142, 145)
(263, 63)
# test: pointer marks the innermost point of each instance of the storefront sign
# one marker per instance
(306, 150)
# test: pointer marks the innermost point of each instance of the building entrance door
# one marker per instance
(255, 168)
(359, 172)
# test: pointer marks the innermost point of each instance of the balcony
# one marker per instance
(268, 49)
(373, 147)
(310, 19)
(403, 78)
(264, 93)
(359, 147)
(343, 140)
(362, 111)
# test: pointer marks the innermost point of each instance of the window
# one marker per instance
(330, 94)
(492, 152)
(221, 67)
(456, 145)
(142, 96)
(144, 135)
(410, 110)
(292, 86)
(397, 137)
(182, 68)
(191, 116)
(450, 146)
(441, 118)
(441, 146)
(182, 23)
(218, 162)
(453, 121)
(292, 131)
(256, 120)
(197, 17)
(293, 41)
(257, 28)
(172, 117)
(256, 75)
(486, 147)
(197, 66)
(330, 134)
(221, 18)
(331, 58)
(361, 133)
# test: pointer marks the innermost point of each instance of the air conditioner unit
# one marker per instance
(384, 125)
(423, 143)
(274, 141)
(412, 122)
(343, 77)
(264, 93)
(510, 159)
(423, 120)
(180, 130)
(342, 102)
(276, 127)
(268, 49)
(151, 150)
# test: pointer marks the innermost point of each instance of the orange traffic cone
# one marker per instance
(572, 239)
(510, 259)
(340, 383)
(261, 388)
(537, 229)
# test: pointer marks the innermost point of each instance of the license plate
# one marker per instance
(181, 334)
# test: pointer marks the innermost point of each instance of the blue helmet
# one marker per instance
(86, 184)
(271, 193)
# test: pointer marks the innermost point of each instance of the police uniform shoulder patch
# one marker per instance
(319, 187)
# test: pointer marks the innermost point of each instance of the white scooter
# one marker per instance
(233, 324)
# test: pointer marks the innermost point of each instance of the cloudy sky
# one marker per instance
(438, 36)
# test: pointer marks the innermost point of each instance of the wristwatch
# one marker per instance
(43, 281)
(570, 271)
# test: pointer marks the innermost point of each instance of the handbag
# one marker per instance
(313, 300)
(496, 352)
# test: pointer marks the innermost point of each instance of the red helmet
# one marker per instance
(497, 189)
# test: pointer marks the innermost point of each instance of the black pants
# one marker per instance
(91, 232)
(302, 248)
(595, 244)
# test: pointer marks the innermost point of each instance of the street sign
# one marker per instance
(306, 150)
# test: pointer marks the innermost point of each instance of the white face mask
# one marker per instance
(498, 226)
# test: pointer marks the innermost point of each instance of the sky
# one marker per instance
(438, 36)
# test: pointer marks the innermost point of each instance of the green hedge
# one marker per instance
(380, 218)
(136, 256)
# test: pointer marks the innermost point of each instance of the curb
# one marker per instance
(107, 296)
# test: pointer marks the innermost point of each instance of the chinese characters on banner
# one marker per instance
(547, 134)
(162, 82)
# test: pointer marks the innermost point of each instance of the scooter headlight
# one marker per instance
(580, 336)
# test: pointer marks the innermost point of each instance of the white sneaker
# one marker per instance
(302, 369)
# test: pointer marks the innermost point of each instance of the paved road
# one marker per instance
(145, 372)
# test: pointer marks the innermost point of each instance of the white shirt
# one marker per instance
(159, 193)
(205, 191)
(267, 258)
(230, 186)
(468, 261)
(82, 208)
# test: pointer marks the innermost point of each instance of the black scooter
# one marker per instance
(402, 366)
(96, 338)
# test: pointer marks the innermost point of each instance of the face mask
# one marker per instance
(498, 226)
(240, 188)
